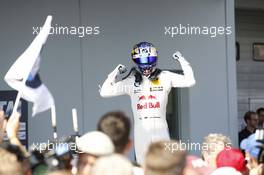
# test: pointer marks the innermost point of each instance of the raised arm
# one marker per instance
(112, 88)
(185, 80)
(2, 126)
(12, 130)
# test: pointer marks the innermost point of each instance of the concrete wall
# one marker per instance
(73, 67)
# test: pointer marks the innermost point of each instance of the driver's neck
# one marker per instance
(147, 76)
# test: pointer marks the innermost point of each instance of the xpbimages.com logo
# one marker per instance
(55, 146)
(192, 146)
(80, 31)
(211, 31)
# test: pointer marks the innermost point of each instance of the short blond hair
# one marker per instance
(161, 159)
(9, 164)
(214, 143)
(115, 164)
(60, 172)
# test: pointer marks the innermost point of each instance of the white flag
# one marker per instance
(23, 75)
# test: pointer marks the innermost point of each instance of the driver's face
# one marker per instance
(147, 72)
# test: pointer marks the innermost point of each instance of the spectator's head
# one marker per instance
(116, 125)
(61, 172)
(260, 112)
(20, 155)
(165, 158)
(114, 164)
(212, 145)
(226, 171)
(191, 171)
(231, 157)
(251, 147)
(9, 164)
(91, 146)
(251, 119)
(197, 164)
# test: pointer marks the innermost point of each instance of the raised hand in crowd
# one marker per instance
(2, 125)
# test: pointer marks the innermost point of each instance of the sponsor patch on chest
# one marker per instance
(147, 102)
(148, 105)
(156, 88)
(136, 91)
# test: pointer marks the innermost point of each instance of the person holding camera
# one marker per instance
(254, 153)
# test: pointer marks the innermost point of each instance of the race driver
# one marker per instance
(148, 88)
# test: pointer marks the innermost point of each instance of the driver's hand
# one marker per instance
(177, 55)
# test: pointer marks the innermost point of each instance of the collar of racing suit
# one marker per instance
(138, 76)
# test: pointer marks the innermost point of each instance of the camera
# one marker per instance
(56, 155)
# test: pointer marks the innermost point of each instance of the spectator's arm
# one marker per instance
(2, 126)
(257, 171)
(12, 129)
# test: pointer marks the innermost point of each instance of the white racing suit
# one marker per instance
(148, 102)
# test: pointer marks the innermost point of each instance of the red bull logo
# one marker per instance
(143, 97)
(148, 105)
(151, 97)
(154, 105)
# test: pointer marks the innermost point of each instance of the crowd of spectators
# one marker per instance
(105, 152)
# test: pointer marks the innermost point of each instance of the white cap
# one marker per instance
(96, 143)
(226, 171)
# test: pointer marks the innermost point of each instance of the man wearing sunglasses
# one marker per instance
(148, 88)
